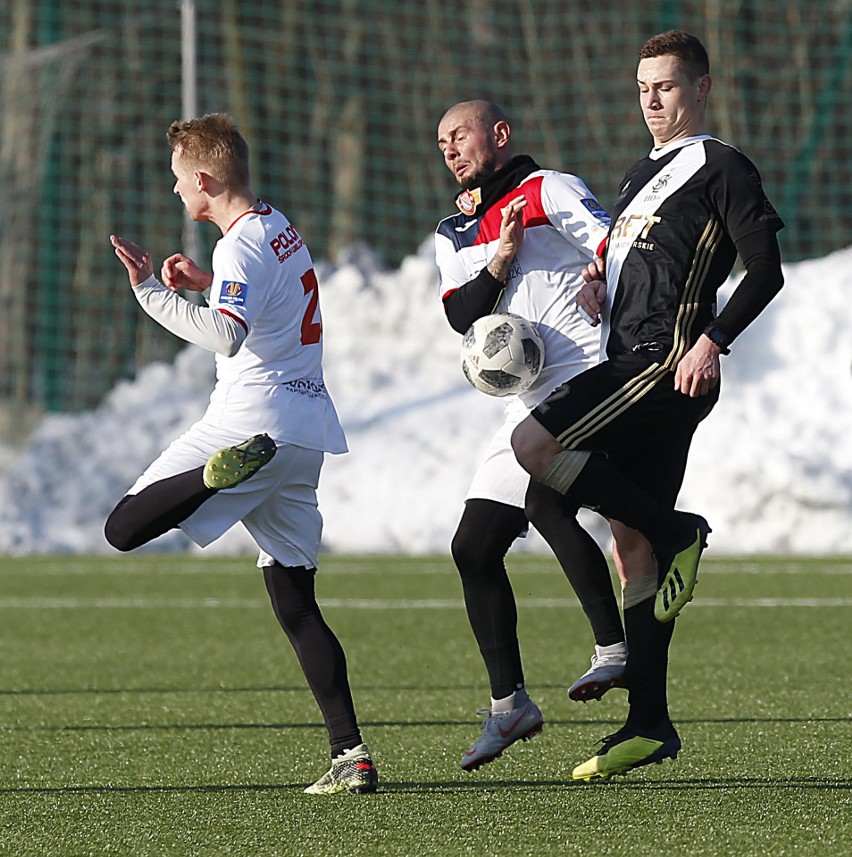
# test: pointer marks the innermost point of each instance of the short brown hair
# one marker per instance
(686, 47)
(214, 144)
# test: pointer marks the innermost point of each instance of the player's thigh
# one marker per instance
(658, 465)
(229, 506)
(656, 456)
(287, 525)
(190, 450)
(625, 407)
(498, 476)
(596, 408)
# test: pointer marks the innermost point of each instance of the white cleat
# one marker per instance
(500, 731)
(609, 665)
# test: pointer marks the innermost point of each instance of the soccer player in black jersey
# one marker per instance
(616, 437)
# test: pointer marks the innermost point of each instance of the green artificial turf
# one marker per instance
(151, 705)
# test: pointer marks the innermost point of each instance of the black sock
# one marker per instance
(291, 591)
(581, 559)
(155, 510)
(484, 535)
(647, 664)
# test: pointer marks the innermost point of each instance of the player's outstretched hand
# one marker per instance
(135, 259)
(698, 372)
(180, 272)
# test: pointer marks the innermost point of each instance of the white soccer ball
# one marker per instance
(502, 354)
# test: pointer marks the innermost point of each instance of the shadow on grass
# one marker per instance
(454, 786)
(301, 688)
(388, 724)
(709, 783)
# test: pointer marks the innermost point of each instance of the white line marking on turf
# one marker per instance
(367, 603)
(714, 566)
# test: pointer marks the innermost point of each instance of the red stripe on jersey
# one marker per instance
(267, 209)
(240, 321)
(602, 247)
(447, 294)
(534, 214)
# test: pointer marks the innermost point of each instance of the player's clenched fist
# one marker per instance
(180, 272)
(592, 294)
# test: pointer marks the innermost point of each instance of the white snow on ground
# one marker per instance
(771, 468)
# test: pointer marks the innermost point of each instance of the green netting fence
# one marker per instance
(339, 101)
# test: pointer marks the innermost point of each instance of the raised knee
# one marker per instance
(116, 530)
(534, 447)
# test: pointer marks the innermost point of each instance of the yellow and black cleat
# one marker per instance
(626, 750)
(678, 567)
(234, 464)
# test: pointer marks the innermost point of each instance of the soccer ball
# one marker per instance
(502, 354)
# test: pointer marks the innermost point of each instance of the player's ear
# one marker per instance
(704, 84)
(502, 133)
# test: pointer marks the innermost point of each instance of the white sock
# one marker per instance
(509, 703)
(614, 649)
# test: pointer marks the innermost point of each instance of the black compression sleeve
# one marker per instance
(763, 280)
(473, 300)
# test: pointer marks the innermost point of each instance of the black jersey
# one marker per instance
(672, 243)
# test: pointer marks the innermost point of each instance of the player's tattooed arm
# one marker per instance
(511, 238)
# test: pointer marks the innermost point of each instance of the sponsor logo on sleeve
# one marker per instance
(233, 293)
(596, 209)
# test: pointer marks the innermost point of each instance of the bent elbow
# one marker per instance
(230, 349)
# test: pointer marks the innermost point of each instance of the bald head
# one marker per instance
(486, 113)
(474, 138)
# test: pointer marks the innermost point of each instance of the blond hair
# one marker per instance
(212, 143)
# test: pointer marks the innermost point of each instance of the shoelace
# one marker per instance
(608, 740)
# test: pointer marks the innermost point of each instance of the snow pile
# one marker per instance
(771, 468)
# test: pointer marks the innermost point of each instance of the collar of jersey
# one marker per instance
(498, 184)
(656, 154)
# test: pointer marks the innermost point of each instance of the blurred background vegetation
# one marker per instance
(339, 100)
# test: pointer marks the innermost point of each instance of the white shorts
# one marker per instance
(277, 505)
(499, 477)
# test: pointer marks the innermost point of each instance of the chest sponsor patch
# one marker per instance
(232, 293)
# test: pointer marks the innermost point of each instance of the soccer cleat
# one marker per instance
(234, 464)
(500, 731)
(609, 664)
(677, 566)
(628, 749)
(352, 772)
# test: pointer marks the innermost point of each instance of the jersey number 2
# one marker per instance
(311, 330)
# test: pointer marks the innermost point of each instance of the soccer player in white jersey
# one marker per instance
(620, 438)
(519, 244)
(263, 322)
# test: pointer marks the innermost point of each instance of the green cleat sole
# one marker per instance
(234, 464)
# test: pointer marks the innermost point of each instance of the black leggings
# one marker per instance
(484, 536)
(291, 591)
(155, 510)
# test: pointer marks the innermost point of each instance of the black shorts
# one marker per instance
(627, 408)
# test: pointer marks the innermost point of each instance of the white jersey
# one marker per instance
(564, 228)
(264, 280)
